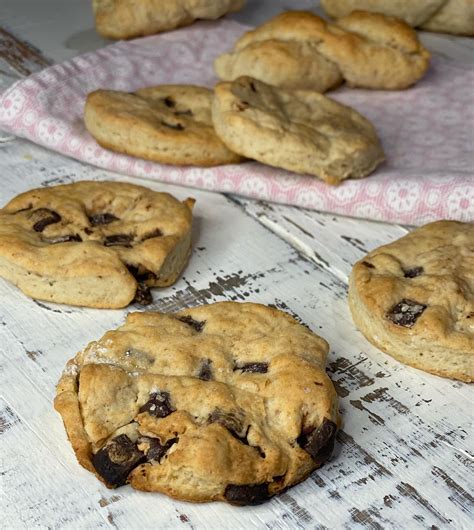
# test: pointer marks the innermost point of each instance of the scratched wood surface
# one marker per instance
(403, 455)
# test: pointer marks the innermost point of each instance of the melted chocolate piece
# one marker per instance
(252, 87)
(319, 442)
(175, 126)
(368, 265)
(256, 368)
(64, 239)
(158, 405)
(102, 219)
(122, 240)
(143, 295)
(169, 102)
(193, 323)
(406, 313)
(44, 217)
(250, 494)
(141, 276)
(117, 459)
(156, 450)
(155, 233)
(231, 422)
(205, 371)
(242, 105)
(414, 272)
(184, 113)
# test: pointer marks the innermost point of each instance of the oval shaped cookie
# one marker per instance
(299, 130)
(414, 299)
(170, 124)
(226, 402)
(95, 244)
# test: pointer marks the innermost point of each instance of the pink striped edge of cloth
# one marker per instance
(426, 130)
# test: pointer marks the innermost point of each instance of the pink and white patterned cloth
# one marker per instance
(427, 131)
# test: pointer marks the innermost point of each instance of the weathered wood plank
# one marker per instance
(402, 456)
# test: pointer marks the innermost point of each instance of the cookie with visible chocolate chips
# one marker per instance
(170, 124)
(225, 402)
(95, 244)
(414, 299)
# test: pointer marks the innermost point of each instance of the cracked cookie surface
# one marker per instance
(170, 124)
(300, 130)
(299, 50)
(225, 401)
(95, 244)
(414, 299)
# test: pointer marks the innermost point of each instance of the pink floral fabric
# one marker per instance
(427, 131)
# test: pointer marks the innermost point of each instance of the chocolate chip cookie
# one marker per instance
(298, 130)
(95, 244)
(170, 124)
(414, 299)
(225, 401)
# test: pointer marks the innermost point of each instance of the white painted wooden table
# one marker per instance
(403, 456)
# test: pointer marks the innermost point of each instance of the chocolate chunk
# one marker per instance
(141, 274)
(117, 459)
(175, 126)
(169, 102)
(257, 368)
(102, 219)
(413, 273)
(64, 239)
(155, 233)
(405, 313)
(44, 217)
(122, 240)
(368, 265)
(231, 422)
(158, 405)
(183, 113)
(143, 295)
(156, 450)
(205, 371)
(193, 323)
(242, 105)
(251, 494)
(88, 230)
(252, 87)
(319, 442)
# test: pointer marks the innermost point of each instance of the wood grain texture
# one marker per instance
(402, 458)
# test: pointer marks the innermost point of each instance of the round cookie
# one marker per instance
(95, 244)
(299, 50)
(125, 19)
(170, 124)
(226, 401)
(414, 299)
(302, 131)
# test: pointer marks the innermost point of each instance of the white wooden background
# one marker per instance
(403, 458)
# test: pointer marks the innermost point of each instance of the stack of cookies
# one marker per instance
(230, 401)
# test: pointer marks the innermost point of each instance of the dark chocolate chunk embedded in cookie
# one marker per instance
(43, 217)
(143, 295)
(247, 495)
(406, 313)
(319, 442)
(255, 368)
(159, 405)
(153, 448)
(122, 240)
(64, 239)
(413, 272)
(102, 219)
(117, 459)
(196, 325)
(205, 370)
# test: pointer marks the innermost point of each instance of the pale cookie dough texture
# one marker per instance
(414, 299)
(125, 19)
(226, 402)
(445, 16)
(95, 244)
(170, 124)
(301, 131)
(299, 50)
